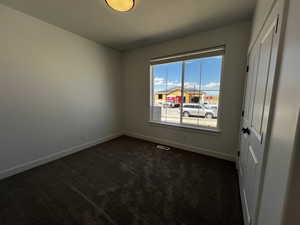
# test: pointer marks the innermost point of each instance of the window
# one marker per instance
(195, 99)
(185, 89)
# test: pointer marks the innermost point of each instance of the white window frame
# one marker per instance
(204, 53)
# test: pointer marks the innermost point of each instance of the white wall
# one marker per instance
(58, 91)
(282, 149)
(136, 79)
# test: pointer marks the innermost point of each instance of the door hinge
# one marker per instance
(243, 113)
(247, 69)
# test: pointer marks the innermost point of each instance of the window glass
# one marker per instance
(187, 92)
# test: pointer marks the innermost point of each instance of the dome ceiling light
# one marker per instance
(120, 5)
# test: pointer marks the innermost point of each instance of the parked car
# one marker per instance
(199, 110)
(211, 106)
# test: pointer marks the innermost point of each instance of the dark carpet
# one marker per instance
(125, 181)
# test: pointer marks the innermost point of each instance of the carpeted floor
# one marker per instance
(125, 181)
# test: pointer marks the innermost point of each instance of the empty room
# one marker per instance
(138, 112)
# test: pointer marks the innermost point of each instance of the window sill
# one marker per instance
(207, 130)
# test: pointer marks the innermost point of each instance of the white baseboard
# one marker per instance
(29, 165)
(190, 148)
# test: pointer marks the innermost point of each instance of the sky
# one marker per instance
(200, 74)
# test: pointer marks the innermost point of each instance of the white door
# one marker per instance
(258, 96)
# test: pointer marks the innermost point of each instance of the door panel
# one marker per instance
(253, 60)
(248, 103)
(247, 217)
(258, 95)
(261, 82)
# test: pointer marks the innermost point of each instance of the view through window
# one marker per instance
(187, 92)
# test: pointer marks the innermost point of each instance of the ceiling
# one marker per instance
(149, 22)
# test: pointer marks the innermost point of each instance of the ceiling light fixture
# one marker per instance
(121, 5)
